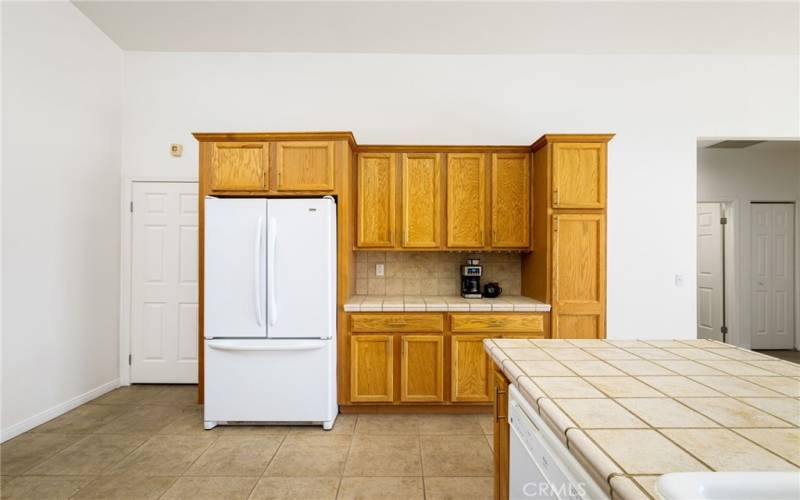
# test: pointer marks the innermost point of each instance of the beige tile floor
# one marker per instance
(147, 441)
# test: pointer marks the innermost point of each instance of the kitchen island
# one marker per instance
(630, 411)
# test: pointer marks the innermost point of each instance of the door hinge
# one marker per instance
(130, 358)
(131, 207)
(723, 330)
(723, 220)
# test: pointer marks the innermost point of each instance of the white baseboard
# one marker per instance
(51, 413)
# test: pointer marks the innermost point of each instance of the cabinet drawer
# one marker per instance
(517, 322)
(399, 322)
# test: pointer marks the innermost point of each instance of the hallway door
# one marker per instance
(772, 275)
(164, 282)
(709, 271)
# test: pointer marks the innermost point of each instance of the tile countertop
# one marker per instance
(632, 410)
(418, 303)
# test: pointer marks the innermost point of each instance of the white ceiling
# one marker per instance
(451, 27)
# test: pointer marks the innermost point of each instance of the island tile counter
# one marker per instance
(632, 410)
(442, 303)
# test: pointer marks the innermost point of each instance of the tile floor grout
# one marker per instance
(157, 417)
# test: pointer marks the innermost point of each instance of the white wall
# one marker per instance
(657, 106)
(62, 118)
(740, 176)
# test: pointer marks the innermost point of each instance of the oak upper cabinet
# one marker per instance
(511, 192)
(422, 368)
(470, 374)
(376, 200)
(578, 276)
(466, 200)
(238, 166)
(579, 175)
(421, 200)
(304, 166)
(371, 368)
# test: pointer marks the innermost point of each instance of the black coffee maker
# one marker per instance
(471, 279)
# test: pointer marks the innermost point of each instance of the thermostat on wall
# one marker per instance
(176, 149)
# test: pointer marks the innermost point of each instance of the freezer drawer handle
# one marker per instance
(308, 346)
(272, 231)
(257, 267)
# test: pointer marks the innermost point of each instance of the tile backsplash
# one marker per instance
(432, 273)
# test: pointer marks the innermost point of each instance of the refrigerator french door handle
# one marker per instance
(257, 269)
(233, 346)
(272, 231)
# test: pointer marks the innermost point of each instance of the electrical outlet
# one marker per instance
(678, 280)
(378, 269)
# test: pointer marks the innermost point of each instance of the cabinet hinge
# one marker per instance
(723, 220)
(131, 207)
(130, 358)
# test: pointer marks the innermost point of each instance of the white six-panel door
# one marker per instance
(772, 273)
(164, 282)
(709, 271)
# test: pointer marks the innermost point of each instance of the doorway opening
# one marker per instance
(747, 199)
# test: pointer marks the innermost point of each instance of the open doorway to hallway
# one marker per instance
(748, 193)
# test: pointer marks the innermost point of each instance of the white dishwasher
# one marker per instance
(540, 466)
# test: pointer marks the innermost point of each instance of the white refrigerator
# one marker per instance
(270, 311)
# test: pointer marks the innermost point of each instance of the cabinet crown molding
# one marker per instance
(345, 135)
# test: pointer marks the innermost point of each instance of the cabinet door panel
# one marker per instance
(470, 372)
(421, 200)
(238, 166)
(305, 166)
(422, 368)
(511, 190)
(501, 436)
(579, 175)
(466, 200)
(578, 276)
(376, 200)
(371, 368)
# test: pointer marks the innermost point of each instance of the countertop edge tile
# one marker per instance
(597, 463)
(442, 303)
(559, 422)
(625, 488)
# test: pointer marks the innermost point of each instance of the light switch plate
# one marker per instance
(378, 269)
(678, 280)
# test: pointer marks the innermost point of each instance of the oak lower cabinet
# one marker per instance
(422, 368)
(578, 276)
(428, 358)
(371, 368)
(470, 374)
(238, 166)
(501, 434)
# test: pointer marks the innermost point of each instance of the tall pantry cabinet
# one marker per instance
(567, 267)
